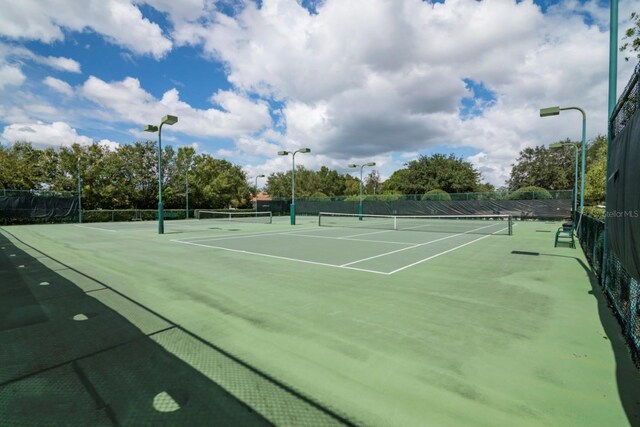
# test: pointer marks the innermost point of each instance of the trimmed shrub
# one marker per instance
(530, 193)
(436, 194)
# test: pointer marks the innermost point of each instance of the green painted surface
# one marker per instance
(474, 336)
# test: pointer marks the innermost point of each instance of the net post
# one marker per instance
(510, 225)
(395, 222)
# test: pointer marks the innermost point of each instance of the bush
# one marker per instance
(383, 197)
(436, 194)
(318, 196)
(530, 193)
(594, 212)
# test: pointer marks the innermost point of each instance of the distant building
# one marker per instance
(261, 196)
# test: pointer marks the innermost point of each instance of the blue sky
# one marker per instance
(355, 81)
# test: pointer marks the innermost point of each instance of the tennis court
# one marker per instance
(373, 245)
(327, 325)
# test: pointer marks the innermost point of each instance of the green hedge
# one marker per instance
(530, 193)
(436, 194)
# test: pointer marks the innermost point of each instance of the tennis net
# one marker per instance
(253, 217)
(463, 224)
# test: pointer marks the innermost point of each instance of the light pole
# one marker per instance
(558, 145)
(186, 215)
(257, 176)
(360, 198)
(292, 208)
(169, 120)
(79, 193)
(554, 111)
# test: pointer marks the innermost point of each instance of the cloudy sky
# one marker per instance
(354, 80)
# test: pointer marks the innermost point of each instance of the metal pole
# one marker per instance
(584, 154)
(584, 160)
(160, 210)
(575, 185)
(360, 204)
(292, 208)
(613, 75)
(79, 193)
(187, 195)
(256, 196)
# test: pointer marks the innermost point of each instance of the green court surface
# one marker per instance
(308, 325)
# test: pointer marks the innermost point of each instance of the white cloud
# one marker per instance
(179, 11)
(127, 100)
(120, 21)
(59, 63)
(56, 134)
(365, 78)
(110, 145)
(10, 76)
(361, 80)
(59, 85)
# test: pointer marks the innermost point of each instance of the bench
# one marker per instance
(565, 234)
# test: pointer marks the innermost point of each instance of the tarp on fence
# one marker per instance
(623, 197)
(33, 206)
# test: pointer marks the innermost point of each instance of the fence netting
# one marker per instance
(620, 287)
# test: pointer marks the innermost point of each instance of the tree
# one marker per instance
(372, 182)
(279, 185)
(176, 169)
(596, 150)
(126, 178)
(631, 38)
(326, 181)
(448, 173)
(218, 184)
(330, 182)
(351, 185)
(595, 180)
(21, 168)
(545, 168)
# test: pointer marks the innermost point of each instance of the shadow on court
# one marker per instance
(627, 374)
(68, 358)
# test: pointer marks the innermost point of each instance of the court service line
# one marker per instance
(95, 228)
(353, 240)
(415, 246)
(281, 257)
(239, 235)
(444, 252)
(367, 234)
(399, 250)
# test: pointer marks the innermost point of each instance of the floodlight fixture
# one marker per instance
(166, 120)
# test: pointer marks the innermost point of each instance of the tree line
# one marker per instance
(127, 178)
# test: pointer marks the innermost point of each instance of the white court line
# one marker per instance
(95, 228)
(353, 240)
(416, 246)
(400, 250)
(444, 252)
(367, 234)
(281, 257)
(345, 266)
(239, 235)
